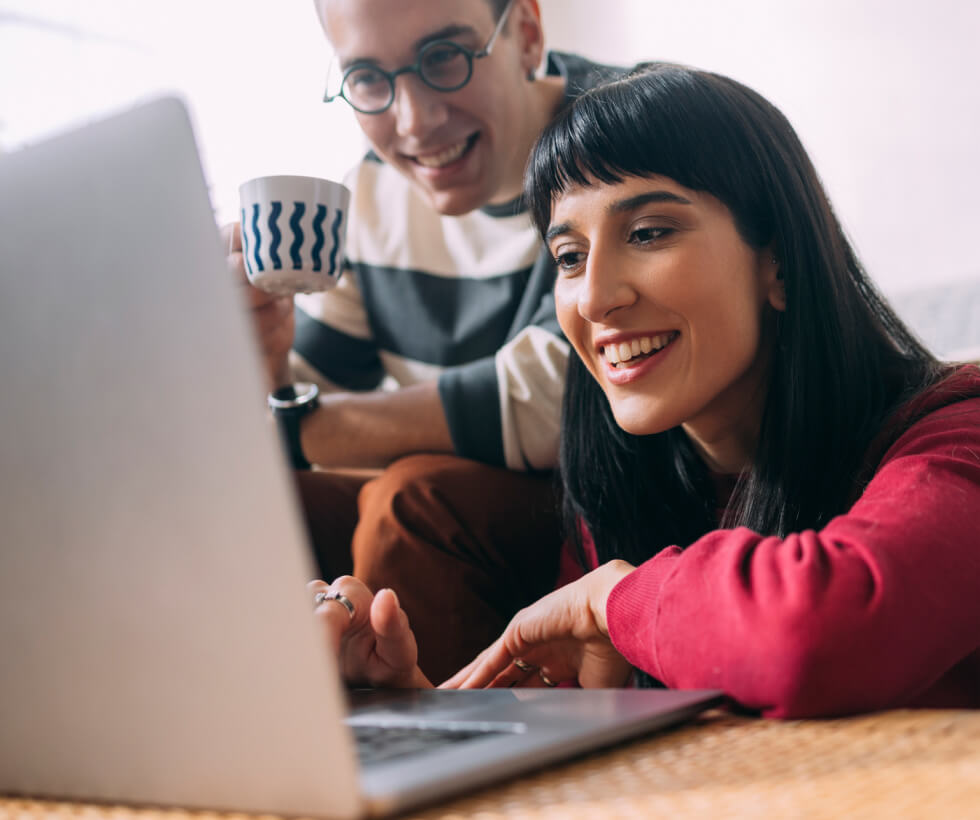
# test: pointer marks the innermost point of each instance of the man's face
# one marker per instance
(466, 148)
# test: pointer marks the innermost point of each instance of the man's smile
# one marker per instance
(446, 155)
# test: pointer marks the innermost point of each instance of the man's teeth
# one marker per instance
(624, 351)
(451, 154)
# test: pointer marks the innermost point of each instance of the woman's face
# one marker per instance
(665, 304)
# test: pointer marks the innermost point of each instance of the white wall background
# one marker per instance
(884, 93)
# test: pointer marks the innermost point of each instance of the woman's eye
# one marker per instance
(569, 260)
(644, 236)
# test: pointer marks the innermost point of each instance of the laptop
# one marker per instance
(157, 643)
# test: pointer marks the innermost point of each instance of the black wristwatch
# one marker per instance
(289, 404)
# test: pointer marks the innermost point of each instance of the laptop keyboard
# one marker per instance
(376, 743)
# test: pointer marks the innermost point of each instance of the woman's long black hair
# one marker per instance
(842, 360)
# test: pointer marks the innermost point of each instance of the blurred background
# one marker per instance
(884, 94)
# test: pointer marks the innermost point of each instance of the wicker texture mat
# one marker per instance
(902, 764)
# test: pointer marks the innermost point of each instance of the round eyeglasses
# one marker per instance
(442, 65)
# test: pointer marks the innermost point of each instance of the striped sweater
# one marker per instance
(463, 299)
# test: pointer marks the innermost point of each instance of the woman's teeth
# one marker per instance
(620, 354)
(444, 157)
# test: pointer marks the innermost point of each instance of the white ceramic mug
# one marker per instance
(293, 231)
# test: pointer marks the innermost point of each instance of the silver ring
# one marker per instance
(545, 679)
(523, 665)
(339, 597)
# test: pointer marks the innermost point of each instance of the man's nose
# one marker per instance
(418, 108)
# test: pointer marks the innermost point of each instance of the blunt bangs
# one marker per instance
(661, 119)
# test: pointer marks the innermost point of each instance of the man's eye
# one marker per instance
(444, 63)
(365, 78)
(437, 56)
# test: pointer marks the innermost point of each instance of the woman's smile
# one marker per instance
(632, 358)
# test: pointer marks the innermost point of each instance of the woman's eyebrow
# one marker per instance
(557, 230)
(644, 199)
(622, 206)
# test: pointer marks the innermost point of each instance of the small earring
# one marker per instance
(779, 271)
(530, 75)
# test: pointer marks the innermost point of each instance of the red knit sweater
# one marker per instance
(879, 609)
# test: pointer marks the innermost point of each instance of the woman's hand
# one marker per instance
(373, 641)
(562, 637)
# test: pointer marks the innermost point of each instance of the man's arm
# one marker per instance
(505, 409)
(349, 429)
(373, 429)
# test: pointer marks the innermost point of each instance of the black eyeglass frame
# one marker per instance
(416, 68)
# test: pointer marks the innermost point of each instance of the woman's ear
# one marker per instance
(772, 278)
(777, 294)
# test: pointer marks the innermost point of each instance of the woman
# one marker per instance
(778, 485)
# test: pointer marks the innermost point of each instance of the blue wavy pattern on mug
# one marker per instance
(335, 234)
(299, 208)
(258, 237)
(321, 214)
(244, 233)
(276, 234)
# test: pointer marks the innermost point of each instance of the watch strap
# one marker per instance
(289, 405)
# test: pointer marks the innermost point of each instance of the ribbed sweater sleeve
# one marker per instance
(879, 609)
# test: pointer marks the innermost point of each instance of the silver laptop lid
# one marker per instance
(134, 444)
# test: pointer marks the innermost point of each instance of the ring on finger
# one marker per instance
(545, 679)
(523, 665)
(339, 597)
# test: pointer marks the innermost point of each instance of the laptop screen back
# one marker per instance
(156, 640)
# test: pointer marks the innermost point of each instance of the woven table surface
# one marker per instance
(900, 764)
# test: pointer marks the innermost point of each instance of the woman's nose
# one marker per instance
(605, 288)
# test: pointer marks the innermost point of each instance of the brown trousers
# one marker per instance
(464, 545)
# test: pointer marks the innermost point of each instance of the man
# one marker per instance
(438, 353)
